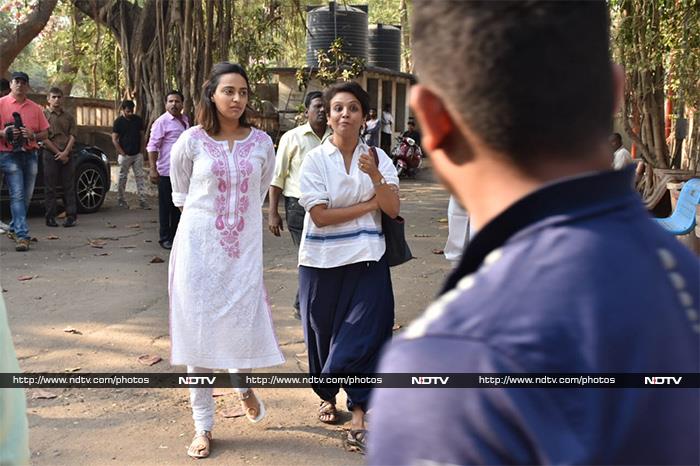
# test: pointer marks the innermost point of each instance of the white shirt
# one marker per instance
(621, 158)
(387, 123)
(293, 146)
(325, 181)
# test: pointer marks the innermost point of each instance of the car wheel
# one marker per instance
(90, 188)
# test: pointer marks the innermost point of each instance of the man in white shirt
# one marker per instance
(387, 129)
(293, 146)
(621, 156)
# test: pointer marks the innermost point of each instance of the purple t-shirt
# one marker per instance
(164, 132)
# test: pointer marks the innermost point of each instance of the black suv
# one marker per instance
(92, 179)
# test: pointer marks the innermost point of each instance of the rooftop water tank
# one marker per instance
(385, 46)
(328, 22)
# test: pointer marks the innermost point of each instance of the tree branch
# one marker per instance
(13, 44)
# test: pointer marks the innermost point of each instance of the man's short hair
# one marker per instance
(175, 92)
(617, 137)
(55, 91)
(4, 84)
(311, 96)
(127, 104)
(531, 78)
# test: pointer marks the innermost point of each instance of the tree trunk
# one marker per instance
(12, 44)
(406, 37)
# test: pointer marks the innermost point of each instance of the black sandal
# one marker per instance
(357, 439)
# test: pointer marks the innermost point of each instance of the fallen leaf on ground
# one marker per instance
(219, 392)
(128, 247)
(52, 237)
(109, 225)
(97, 243)
(72, 330)
(442, 220)
(72, 369)
(24, 278)
(103, 254)
(233, 411)
(422, 236)
(134, 225)
(157, 260)
(43, 395)
(108, 238)
(438, 251)
(149, 359)
(34, 239)
(396, 327)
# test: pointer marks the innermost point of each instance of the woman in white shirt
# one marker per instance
(345, 292)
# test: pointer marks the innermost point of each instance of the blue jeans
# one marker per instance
(20, 170)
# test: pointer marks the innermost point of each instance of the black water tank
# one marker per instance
(328, 22)
(385, 46)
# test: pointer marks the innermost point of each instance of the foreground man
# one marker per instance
(567, 274)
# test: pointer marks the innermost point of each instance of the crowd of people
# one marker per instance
(563, 272)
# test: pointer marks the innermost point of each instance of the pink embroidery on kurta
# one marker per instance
(234, 168)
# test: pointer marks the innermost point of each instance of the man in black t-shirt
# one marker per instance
(412, 132)
(128, 139)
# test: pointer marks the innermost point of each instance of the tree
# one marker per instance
(173, 44)
(26, 22)
(656, 42)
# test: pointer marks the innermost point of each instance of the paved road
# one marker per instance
(117, 299)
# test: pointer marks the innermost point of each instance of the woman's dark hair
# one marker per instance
(206, 112)
(351, 87)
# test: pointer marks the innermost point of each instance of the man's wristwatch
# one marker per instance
(380, 182)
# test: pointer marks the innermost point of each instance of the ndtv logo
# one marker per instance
(662, 380)
(429, 380)
(196, 380)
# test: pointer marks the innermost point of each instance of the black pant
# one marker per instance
(168, 214)
(55, 173)
(295, 224)
(385, 143)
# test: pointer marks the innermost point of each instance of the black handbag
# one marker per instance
(397, 250)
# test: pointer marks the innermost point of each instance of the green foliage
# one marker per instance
(72, 49)
(334, 65)
(660, 33)
(254, 44)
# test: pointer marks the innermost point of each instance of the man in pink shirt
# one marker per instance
(164, 132)
(18, 152)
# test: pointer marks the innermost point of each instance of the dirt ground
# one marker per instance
(117, 299)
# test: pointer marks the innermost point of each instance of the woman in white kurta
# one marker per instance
(219, 311)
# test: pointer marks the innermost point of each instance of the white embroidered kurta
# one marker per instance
(219, 312)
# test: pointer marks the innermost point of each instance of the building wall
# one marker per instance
(290, 98)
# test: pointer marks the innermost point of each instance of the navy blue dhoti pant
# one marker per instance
(347, 314)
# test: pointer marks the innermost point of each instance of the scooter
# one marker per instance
(407, 157)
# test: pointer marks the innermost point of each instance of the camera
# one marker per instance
(16, 142)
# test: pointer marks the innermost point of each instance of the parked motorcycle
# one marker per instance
(407, 157)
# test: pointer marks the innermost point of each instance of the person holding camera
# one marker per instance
(23, 124)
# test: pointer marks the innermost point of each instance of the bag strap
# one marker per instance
(373, 153)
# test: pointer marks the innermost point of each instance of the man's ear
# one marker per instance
(432, 116)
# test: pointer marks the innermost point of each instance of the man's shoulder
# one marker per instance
(296, 132)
